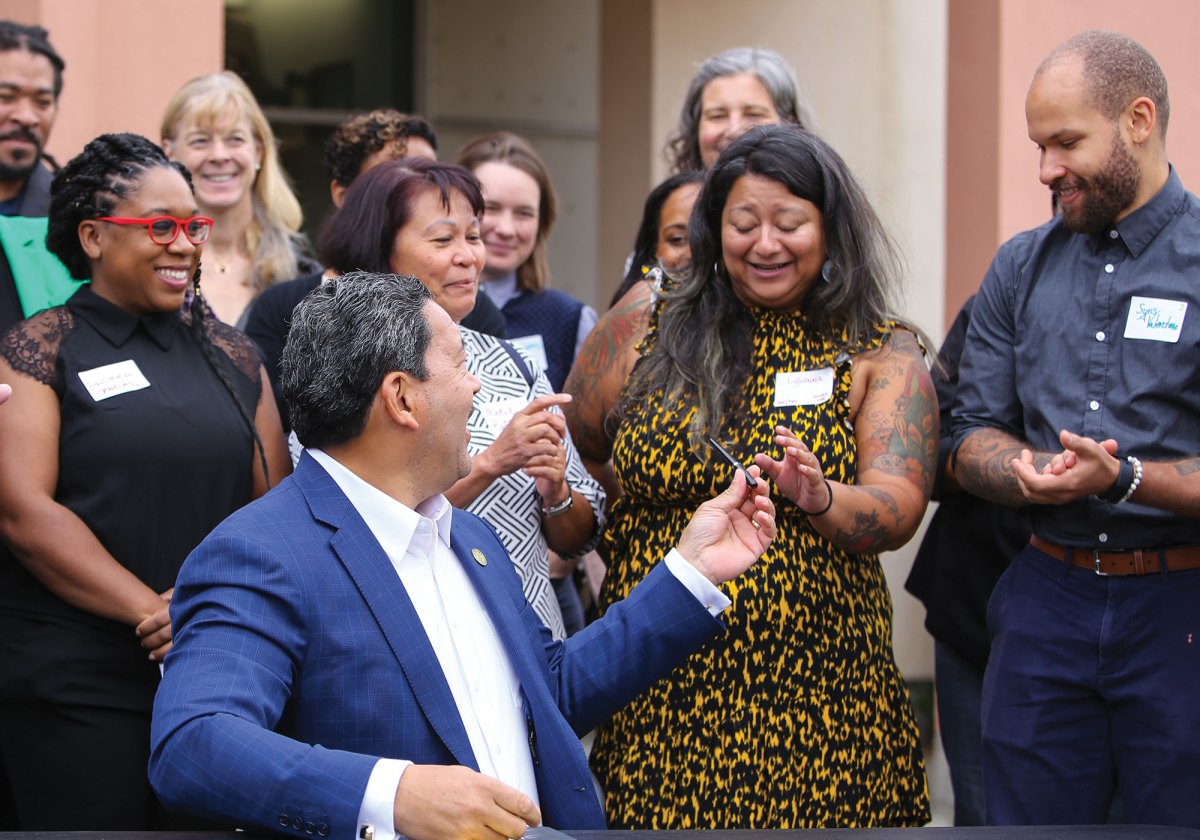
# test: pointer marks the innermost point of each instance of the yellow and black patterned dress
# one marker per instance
(797, 716)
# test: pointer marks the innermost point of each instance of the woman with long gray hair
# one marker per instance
(783, 339)
(731, 92)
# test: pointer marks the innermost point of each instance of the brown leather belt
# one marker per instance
(1136, 561)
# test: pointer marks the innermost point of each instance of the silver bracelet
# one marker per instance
(562, 507)
(1137, 478)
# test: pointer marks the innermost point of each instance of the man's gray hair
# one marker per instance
(346, 336)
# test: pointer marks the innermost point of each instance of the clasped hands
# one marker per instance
(1085, 467)
(534, 440)
(154, 630)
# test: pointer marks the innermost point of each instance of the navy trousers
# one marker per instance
(1092, 682)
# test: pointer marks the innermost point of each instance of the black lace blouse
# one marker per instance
(153, 454)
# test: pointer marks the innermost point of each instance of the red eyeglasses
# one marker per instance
(165, 229)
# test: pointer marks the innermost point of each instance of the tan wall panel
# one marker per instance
(529, 66)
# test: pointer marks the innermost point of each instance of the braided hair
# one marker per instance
(109, 170)
(32, 39)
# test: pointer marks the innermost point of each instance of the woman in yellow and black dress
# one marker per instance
(781, 340)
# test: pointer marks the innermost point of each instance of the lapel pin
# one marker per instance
(479, 556)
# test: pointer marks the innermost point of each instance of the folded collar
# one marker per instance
(116, 325)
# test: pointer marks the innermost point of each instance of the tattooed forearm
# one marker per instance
(1191, 465)
(983, 466)
(599, 373)
(868, 534)
(888, 501)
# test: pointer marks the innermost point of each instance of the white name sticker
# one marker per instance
(533, 347)
(1155, 319)
(111, 380)
(803, 387)
(499, 413)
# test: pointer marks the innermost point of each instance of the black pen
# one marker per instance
(750, 482)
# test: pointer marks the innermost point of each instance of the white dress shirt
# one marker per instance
(482, 681)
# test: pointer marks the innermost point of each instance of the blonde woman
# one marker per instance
(215, 127)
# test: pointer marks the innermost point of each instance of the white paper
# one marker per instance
(1155, 319)
(803, 387)
(499, 413)
(533, 347)
(111, 380)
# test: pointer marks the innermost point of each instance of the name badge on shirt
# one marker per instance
(1155, 319)
(110, 380)
(534, 348)
(803, 387)
(499, 413)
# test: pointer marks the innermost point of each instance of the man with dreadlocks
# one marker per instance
(30, 83)
(138, 424)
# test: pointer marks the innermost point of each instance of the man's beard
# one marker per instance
(19, 170)
(1103, 196)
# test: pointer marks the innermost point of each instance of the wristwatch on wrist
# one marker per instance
(1129, 476)
(560, 508)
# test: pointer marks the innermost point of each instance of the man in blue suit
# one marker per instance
(354, 658)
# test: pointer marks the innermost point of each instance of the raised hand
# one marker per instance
(798, 473)
(727, 534)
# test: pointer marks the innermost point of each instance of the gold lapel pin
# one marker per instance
(479, 556)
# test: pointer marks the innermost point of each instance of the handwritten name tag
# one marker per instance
(1155, 319)
(499, 413)
(803, 387)
(533, 347)
(110, 380)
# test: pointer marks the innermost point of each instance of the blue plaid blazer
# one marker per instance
(299, 660)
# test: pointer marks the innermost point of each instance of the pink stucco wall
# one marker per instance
(124, 60)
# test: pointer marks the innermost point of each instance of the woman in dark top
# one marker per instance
(135, 427)
(520, 208)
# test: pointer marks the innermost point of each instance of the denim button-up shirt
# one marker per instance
(1097, 334)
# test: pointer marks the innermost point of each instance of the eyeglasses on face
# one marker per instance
(165, 229)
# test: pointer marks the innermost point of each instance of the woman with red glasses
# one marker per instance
(137, 423)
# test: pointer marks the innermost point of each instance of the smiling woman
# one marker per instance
(214, 126)
(730, 93)
(781, 345)
(422, 218)
(137, 426)
(520, 207)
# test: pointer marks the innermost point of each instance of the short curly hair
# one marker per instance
(1116, 71)
(363, 135)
